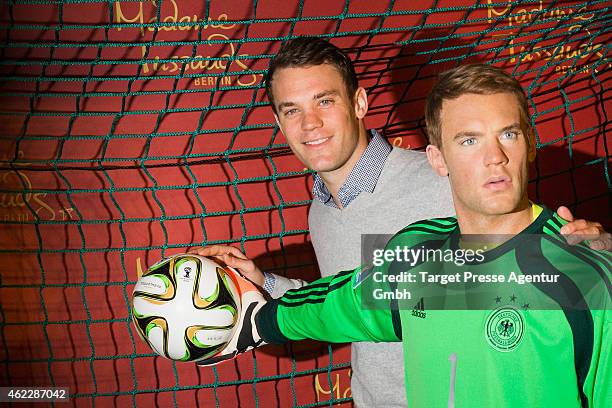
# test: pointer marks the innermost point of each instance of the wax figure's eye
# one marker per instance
(470, 141)
(510, 135)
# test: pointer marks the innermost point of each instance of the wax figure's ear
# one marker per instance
(436, 160)
(531, 147)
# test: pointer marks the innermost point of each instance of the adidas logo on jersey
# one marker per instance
(419, 309)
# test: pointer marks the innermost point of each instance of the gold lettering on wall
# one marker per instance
(18, 203)
(173, 20)
(528, 15)
(566, 56)
(337, 389)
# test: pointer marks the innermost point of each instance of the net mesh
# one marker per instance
(132, 130)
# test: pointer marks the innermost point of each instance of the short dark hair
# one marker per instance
(476, 79)
(311, 51)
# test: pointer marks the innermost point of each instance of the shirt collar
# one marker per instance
(363, 177)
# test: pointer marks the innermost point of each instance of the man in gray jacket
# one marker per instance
(362, 186)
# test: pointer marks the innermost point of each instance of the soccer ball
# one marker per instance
(186, 307)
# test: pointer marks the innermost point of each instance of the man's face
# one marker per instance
(485, 152)
(319, 119)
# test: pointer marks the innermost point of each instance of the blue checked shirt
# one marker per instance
(363, 177)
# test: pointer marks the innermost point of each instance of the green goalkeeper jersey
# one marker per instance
(537, 344)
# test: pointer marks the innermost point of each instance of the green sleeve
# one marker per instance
(340, 308)
(330, 310)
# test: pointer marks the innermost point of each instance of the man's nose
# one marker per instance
(311, 120)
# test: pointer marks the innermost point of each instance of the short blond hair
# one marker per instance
(475, 79)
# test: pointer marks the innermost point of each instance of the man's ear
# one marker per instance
(436, 160)
(361, 103)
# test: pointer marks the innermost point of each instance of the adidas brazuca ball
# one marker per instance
(186, 307)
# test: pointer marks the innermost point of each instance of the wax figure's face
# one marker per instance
(319, 119)
(485, 152)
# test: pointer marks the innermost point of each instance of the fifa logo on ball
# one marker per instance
(186, 307)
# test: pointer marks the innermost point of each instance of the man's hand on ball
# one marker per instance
(246, 335)
(232, 256)
(576, 231)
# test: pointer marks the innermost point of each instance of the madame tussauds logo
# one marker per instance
(577, 49)
(504, 329)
